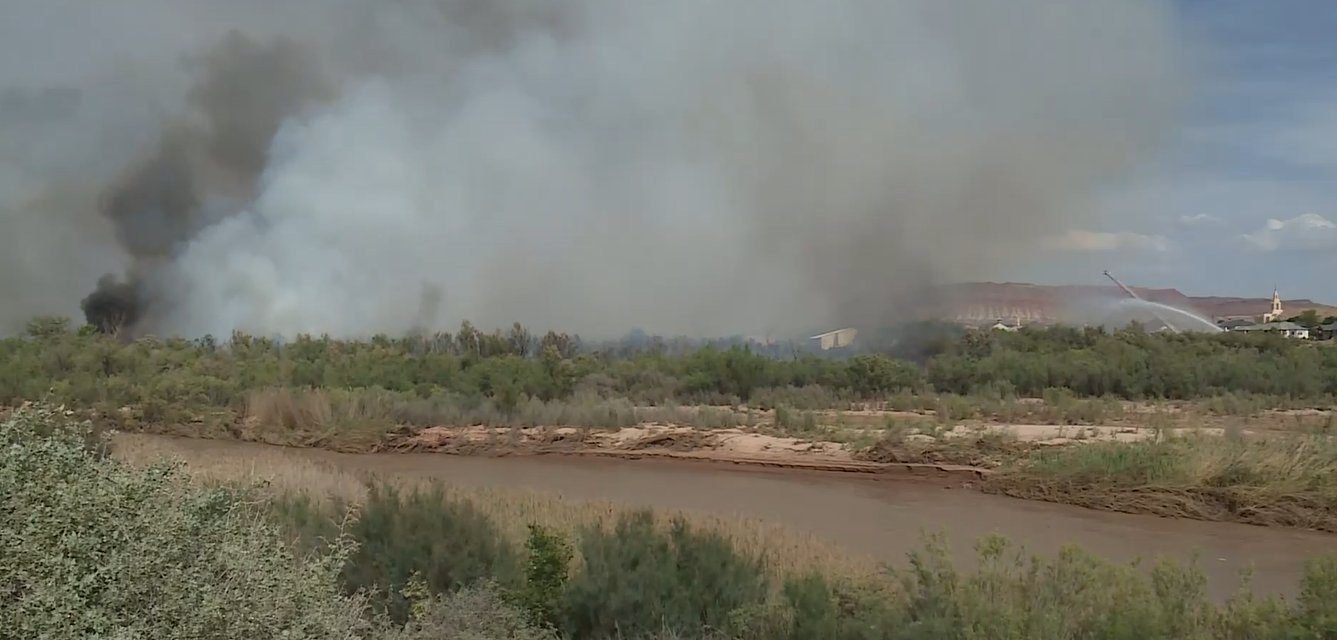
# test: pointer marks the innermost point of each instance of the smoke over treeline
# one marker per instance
(203, 169)
(304, 166)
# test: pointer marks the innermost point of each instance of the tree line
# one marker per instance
(86, 369)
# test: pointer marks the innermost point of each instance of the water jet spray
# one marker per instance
(1134, 296)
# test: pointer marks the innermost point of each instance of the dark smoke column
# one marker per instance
(204, 169)
(113, 306)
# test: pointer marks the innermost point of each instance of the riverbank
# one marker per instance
(808, 518)
(405, 546)
(1255, 474)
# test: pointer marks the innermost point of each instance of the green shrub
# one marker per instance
(169, 383)
(1318, 597)
(476, 612)
(812, 396)
(952, 408)
(1075, 595)
(546, 573)
(874, 375)
(819, 611)
(638, 580)
(448, 542)
(89, 548)
(309, 523)
(1134, 464)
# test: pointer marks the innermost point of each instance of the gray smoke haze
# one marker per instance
(591, 165)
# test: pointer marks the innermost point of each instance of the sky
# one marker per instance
(1243, 196)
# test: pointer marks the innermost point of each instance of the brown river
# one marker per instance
(882, 517)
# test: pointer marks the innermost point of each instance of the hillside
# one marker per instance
(987, 302)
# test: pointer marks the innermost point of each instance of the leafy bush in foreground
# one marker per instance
(447, 543)
(89, 548)
(547, 570)
(477, 612)
(638, 579)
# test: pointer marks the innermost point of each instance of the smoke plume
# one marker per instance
(204, 168)
(592, 165)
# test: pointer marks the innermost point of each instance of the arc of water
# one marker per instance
(1134, 296)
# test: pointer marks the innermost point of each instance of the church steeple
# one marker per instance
(1276, 313)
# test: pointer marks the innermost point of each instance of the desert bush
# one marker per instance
(808, 397)
(475, 612)
(311, 523)
(813, 607)
(640, 576)
(800, 423)
(637, 579)
(89, 548)
(953, 408)
(1145, 463)
(1062, 406)
(869, 375)
(896, 430)
(449, 543)
(1133, 364)
(714, 418)
(547, 567)
(1317, 602)
(152, 382)
(908, 401)
(1074, 595)
(353, 420)
(1236, 404)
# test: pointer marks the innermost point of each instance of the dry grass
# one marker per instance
(273, 470)
(283, 472)
(336, 419)
(1266, 480)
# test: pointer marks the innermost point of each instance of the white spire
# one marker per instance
(1276, 313)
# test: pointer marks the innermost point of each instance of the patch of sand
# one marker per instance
(639, 438)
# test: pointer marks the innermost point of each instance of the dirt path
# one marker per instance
(881, 516)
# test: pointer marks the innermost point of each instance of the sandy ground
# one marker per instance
(736, 442)
(1052, 434)
(743, 446)
(640, 438)
(736, 446)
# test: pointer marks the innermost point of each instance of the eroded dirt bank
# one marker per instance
(881, 516)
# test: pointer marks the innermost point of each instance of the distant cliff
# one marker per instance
(988, 302)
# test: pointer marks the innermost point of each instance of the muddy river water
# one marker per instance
(882, 517)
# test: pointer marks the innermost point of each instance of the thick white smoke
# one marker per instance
(687, 166)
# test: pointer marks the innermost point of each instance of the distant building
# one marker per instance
(1277, 313)
(835, 339)
(1003, 326)
(1234, 322)
(1327, 331)
(1287, 329)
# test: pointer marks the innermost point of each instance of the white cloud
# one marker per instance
(1200, 219)
(1081, 240)
(1305, 232)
